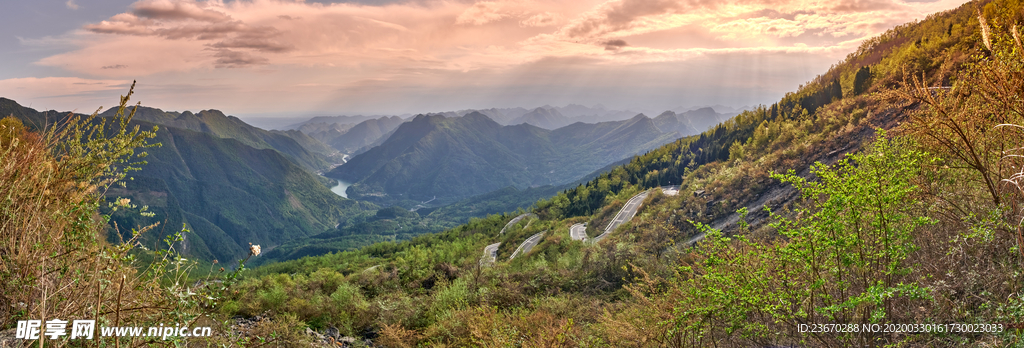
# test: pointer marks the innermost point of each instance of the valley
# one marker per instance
(887, 190)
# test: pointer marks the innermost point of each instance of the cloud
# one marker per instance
(540, 20)
(257, 43)
(191, 20)
(236, 59)
(487, 11)
(71, 5)
(619, 15)
(178, 10)
(242, 46)
(865, 5)
(122, 24)
(49, 91)
(612, 45)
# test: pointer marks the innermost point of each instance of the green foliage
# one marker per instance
(867, 244)
(860, 232)
(10, 129)
(843, 259)
(55, 264)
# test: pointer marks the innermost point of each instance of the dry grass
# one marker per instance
(54, 261)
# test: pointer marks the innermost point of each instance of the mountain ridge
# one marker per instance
(432, 155)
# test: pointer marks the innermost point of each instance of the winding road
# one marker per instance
(629, 210)
(490, 253)
(578, 232)
(514, 221)
(527, 245)
(625, 214)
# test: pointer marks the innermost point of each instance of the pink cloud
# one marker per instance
(179, 10)
(246, 42)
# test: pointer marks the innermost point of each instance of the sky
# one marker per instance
(278, 58)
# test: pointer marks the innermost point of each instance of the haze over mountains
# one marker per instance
(232, 183)
(300, 147)
(357, 134)
(433, 156)
(227, 182)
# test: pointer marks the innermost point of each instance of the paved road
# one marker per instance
(513, 222)
(578, 232)
(490, 253)
(627, 212)
(527, 245)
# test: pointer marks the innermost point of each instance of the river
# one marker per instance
(340, 189)
(342, 186)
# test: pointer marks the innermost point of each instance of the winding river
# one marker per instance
(340, 188)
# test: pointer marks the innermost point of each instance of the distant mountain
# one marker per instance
(564, 115)
(350, 138)
(668, 121)
(703, 118)
(327, 128)
(576, 110)
(543, 118)
(502, 116)
(455, 157)
(302, 149)
(332, 120)
(227, 193)
(721, 109)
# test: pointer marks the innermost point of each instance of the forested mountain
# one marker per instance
(452, 157)
(227, 192)
(879, 203)
(912, 227)
(352, 138)
(327, 128)
(302, 149)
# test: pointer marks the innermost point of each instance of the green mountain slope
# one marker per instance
(302, 149)
(226, 192)
(363, 134)
(350, 138)
(636, 288)
(454, 157)
(231, 194)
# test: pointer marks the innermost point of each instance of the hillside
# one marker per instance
(907, 229)
(302, 149)
(352, 138)
(455, 157)
(226, 192)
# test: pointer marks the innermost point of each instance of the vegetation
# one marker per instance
(886, 191)
(54, 262)
(296, 146)
(228, 194)
(903, 230)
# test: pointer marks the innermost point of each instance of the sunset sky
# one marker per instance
(263, 58)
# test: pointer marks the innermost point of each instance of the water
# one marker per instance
(340, 189)
(342, 186)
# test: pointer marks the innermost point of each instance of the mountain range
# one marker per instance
(433, 156)
(301, 148)
(351, 138)
(227, 191)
